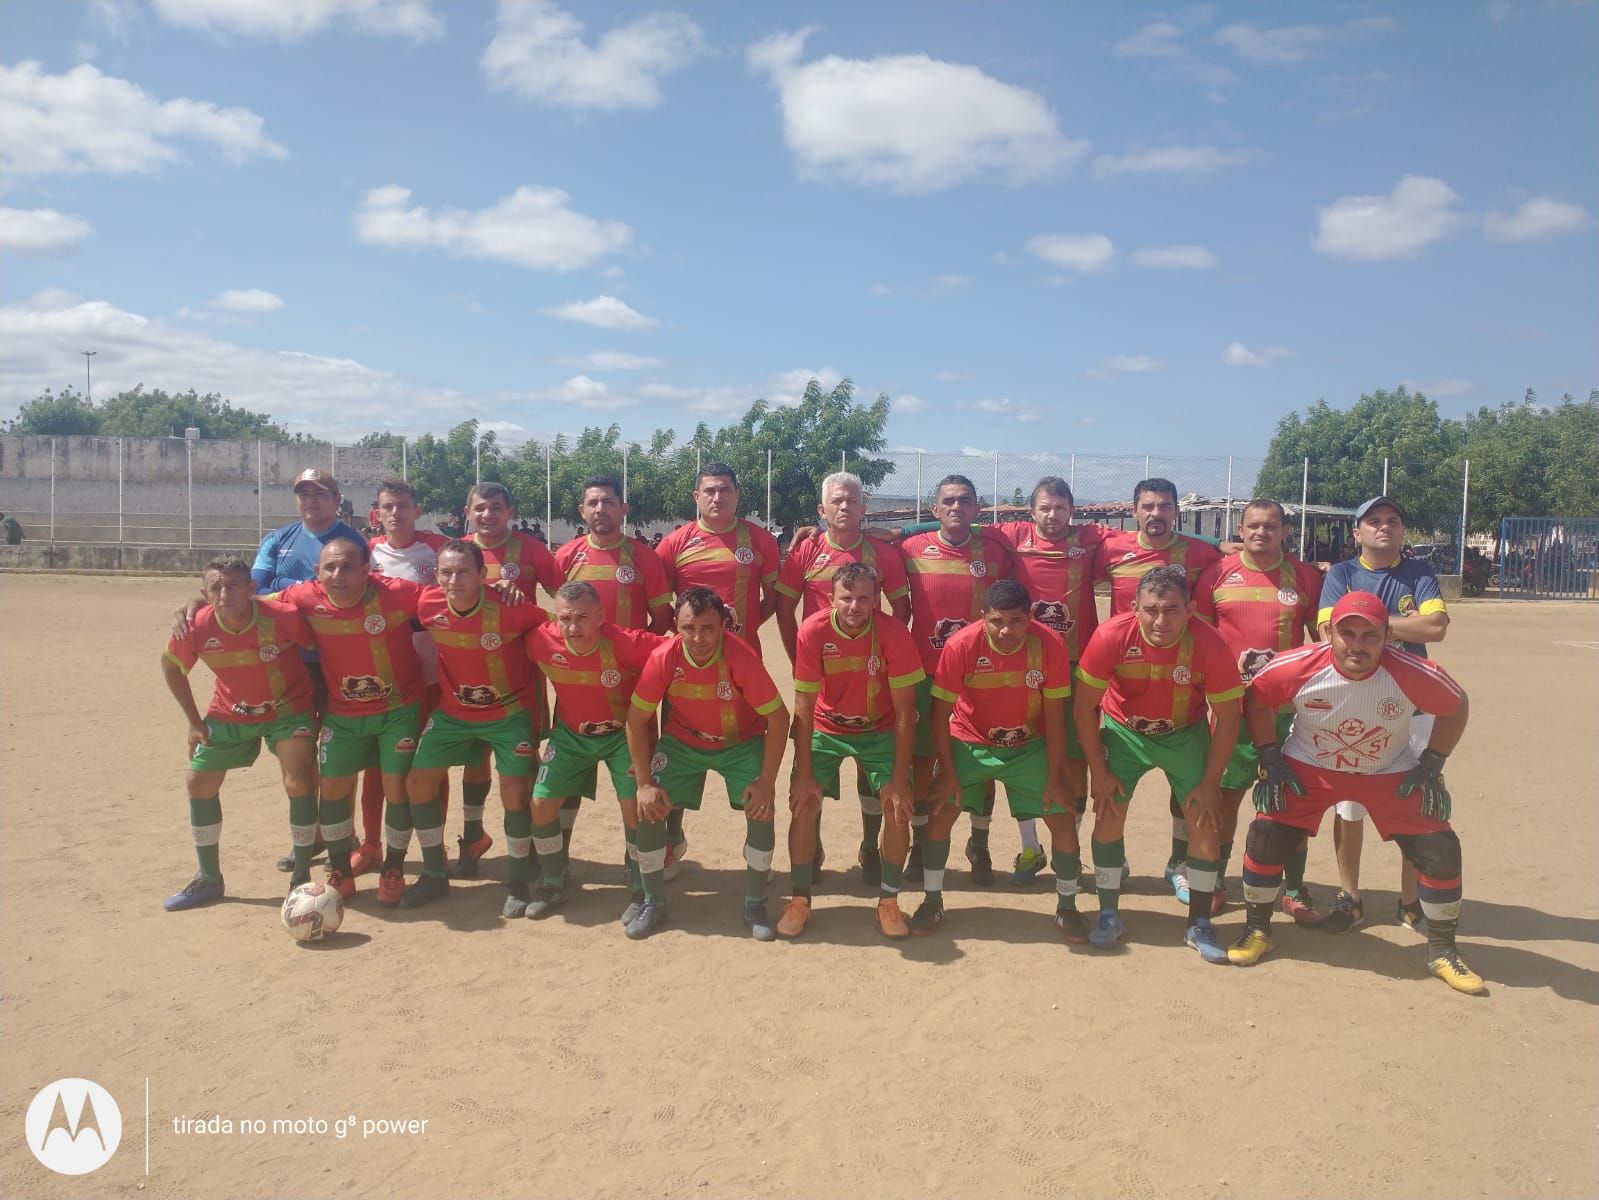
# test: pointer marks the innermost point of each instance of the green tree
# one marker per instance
(154, 413)
(50, 415)
(1528, 460)
(444, 469)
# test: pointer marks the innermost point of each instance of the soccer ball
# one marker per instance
(312, 911)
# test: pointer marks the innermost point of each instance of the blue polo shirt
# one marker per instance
(1408, 589)
(288, 555)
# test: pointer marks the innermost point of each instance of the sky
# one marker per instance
(1063, 226)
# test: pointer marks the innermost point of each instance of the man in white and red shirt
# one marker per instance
(1354, 698)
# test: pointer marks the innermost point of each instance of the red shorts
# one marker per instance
(1390, 812)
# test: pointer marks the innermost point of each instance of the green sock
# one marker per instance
(428, 818)
(396, 834)
(893, 875)
(871, 827)
(1067, 868)
(1108, 860)
(474, 797)
(302, 827)
(338, 830)
(651, 837)
(635, 881)
(518, 845)
(801, 878)
(674, 825)
(760, 838)
(569, 819)
(1294, 870)
(551, 852)
(205, 820)
(1221, 867)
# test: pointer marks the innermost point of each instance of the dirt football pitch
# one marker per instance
(449, 1053)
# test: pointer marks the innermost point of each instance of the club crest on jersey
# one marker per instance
(269, 652)
(744, 555)
(213, 643)
(874, 665)
(324, 735)
(724, 690)
(549, 754)
(477, 695)
(658, 763)
(1182, 676)
(1034, 679)
(1077, 552)
(610, 678)
(428, 728)
(363, 687)
(511, 571)
(523, 750)
(1390, 709)
(1008, 735)
(1407, 605)
(944, 629)
(1287, 596)
(978, 568)
(490, 641)
(625, 574)
(374, 624)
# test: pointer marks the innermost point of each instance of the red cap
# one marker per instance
(1363, 605)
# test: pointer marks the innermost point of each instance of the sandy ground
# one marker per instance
(559, 1059)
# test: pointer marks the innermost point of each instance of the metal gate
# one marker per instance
(1549, 558)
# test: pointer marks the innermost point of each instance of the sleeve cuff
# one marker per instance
(175, 660)
(910, 679)
(1323, 616)
(784, 590)
(1230, 694)
(1084, 677)
(644, 705)
(1428, 607)
(940, 694)
(805, 685)
(1058, 693)
(770, 707)
(898, 592)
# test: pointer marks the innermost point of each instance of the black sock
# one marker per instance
(1259, 917)
(1440, 938)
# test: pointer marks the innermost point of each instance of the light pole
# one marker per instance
(88, 386)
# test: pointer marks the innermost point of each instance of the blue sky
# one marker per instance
(1073, 227)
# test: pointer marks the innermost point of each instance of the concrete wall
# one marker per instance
(122, 560)
(239, 489)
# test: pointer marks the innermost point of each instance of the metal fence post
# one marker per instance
(1229, 516)
(768, 490)
(918, 487)
(1146, 466)
(477, 459)
(333, 463)
(996, 487)
(548, 509)
(188, 447)
(1304, 499)
(260, 497)
(1072, 482)
(1384, 491)
(120, 537)
(52, 491)
(405, 466)
(1465, 503)
(624, 473)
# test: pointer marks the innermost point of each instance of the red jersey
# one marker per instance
(260, 677)
(1059, 576)
(1126, 557)
(484, 675)
(852, 676)
(947, 586)
(518, 557)
(734, 565)
(1156, 689)
(999, 698)
(591, 690)
(1258, 612)
(368, 658)
(1361, 726)
(714, 705)
(807, 574)
(628, 576)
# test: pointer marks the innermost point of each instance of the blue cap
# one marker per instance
(1378, 502)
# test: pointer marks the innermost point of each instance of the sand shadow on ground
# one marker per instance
(1487, 919)
(344, 939)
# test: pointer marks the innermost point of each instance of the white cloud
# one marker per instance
(908, 122)
(908, 405)
(328, 396)
(1172, 159)
(248, 300)
(783, 390)
(954, 376)
(1239, 355)
(587, 393)
(1024, 411)
(949, 282)
(1075, 251)
(881, 289)
(978, 452)
(613, 360)
(40, 231)
(1288, 44)
(605, 312)
(1161, 42)
(538, 50)
(788, 388)
(1191, 258)
(1417, 213)
(533, 227)
(84, 121)
(1123, 364)
(290, 19)
(1439, 388)
(1535, 220)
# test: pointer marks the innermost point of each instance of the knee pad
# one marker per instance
(1436, 855)
(1270, 843)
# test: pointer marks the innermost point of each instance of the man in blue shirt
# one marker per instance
(1416, 616)
(289, 555)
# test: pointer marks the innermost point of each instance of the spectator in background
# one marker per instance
(12, 530)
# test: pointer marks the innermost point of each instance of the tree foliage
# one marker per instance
(140, 413)
(1526, 459)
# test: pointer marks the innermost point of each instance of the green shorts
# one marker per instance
(450, 742)
(1244, 765)
(238, 744)
(1179, 755)
(872, 752)
(1024, 770)
(387, 740)
(681, 770)
(570, 765)
(924, 719)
